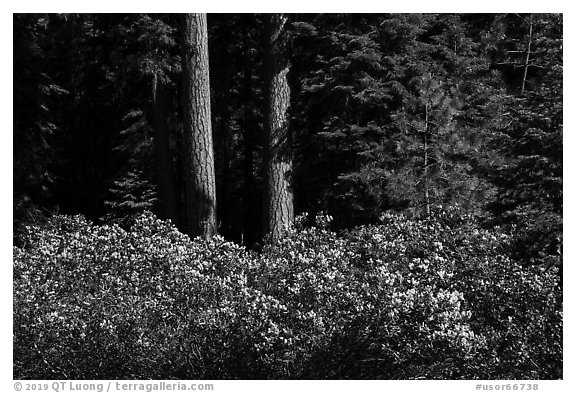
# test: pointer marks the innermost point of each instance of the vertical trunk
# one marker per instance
(426, 191)
(223, 159)
(527, 59)
(279, 209)
(198, 148)
(248, 214)
(162, 155)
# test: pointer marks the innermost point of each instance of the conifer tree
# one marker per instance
(279, 209)
(198, 148)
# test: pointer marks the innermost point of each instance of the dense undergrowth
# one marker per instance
(430, 299)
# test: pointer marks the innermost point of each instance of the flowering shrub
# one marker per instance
(405, 299)
(512, 313)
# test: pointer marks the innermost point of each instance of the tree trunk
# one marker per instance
(223, 152)
(249, 210)
(198, 147)
(427, 124)
(527, 59)
(162, 155)
(426, 190)
(279, 209)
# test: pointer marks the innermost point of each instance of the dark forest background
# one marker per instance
(388, 191)
(402, 112)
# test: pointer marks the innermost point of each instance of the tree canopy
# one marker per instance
(391, 112)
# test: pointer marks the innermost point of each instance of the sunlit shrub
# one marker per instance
(514, 312)
(436, 298)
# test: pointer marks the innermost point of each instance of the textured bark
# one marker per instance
(162, 155)
(198, 147)
(279, 207)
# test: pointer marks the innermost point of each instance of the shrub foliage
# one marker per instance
(429, 299)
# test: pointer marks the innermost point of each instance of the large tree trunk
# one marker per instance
(279, 208)
(162, 155)
(198, 148)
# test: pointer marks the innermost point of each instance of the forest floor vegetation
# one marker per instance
(438, 298)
